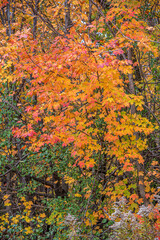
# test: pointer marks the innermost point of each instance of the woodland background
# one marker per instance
(79, 123)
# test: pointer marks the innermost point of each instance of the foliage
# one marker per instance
(79, 119)
(134, 226)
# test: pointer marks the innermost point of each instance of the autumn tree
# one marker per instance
(79, 119)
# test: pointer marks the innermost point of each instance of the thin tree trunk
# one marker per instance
(141, 186)
(68, 22)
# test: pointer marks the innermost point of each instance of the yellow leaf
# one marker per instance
(87, 222)
(27, 219)
(87, 195)
(140, 183)
(154, 163)
(5, 197)
(23, 199)
(7, 203)
(28, 230)
(147, 189)
(78, 195)
(140, 173)
(42, 215)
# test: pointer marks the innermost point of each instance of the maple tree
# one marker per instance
(79, 118)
